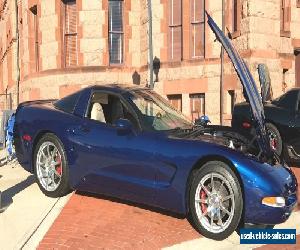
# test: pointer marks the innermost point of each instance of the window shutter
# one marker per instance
(175, 30)
(197, 105)
(197, 10)
(197, 28)
(287, 15)
(70, 33)
(176, 101)
(176, 20)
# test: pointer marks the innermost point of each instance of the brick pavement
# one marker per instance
(90, 222)
(96, 222)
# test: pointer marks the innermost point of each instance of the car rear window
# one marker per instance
(288, 100)
(68, 103)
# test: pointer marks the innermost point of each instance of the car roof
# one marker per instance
(294, 88)
(117, 88)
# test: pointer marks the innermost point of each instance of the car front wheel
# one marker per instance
(50, 166)
(215, 200)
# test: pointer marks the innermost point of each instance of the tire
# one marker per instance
(224, 223)
(275, 138)
(50, 166)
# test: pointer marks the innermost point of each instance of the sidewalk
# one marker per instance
(26, 206)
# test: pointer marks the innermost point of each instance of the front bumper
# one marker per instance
(280, 183)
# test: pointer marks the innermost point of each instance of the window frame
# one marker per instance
(194, 23)
(65, 34)
(123, 101)
(173, 96)
(122, 33)
(34, 13)
(285, 12)
(236, 12)
(172, 26)
(192, 112)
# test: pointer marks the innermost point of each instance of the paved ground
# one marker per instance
(25, 207)
(97, 222)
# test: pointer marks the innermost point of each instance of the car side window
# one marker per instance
(108, 108)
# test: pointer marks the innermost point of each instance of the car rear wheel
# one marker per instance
(50, 166)
(215, 200)
(275, 138)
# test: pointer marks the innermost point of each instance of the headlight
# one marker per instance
(273, 201)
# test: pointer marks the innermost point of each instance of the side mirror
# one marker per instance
(123, 126)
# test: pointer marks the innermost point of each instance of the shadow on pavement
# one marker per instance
(132, 203)
(8, 194)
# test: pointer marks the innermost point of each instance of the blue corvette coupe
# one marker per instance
(128, 142)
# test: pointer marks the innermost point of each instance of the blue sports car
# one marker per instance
(128, 142)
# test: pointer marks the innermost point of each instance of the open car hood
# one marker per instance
(250, 89)
(265, 83)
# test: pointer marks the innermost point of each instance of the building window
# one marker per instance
(70, 33)
(236, 15)
(298, 3)
(176, 101)
(197, 105)
(175, 30)
(285, 18)
(35, 28)
(197, 28)
(116, 34)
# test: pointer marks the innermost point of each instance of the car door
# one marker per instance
(114, 163)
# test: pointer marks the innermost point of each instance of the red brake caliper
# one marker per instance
(59, 167)
(203, 196)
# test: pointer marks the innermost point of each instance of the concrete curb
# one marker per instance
(32, 238)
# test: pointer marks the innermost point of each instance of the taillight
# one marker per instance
(246, 125)
(26, 137)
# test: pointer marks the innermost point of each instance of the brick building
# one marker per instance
(55, 47)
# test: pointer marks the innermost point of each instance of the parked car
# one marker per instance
(282, 117)
(128, 142)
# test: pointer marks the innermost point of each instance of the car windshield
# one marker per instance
(156, 112)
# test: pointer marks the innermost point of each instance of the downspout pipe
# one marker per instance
(222, 66)
(18, 51)
(150, 43)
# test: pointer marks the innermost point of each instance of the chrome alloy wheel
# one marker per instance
(49, 166)
(214, 202)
